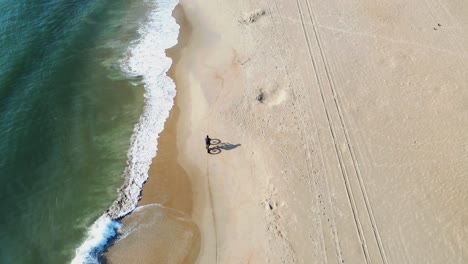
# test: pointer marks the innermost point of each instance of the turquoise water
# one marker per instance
(66, 117)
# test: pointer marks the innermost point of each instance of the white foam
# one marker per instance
(97, 238)
(146, 58)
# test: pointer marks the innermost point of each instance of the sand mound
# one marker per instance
(252, 17)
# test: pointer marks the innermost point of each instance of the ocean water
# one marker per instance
(83, 97)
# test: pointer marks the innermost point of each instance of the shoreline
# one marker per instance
(168, 185)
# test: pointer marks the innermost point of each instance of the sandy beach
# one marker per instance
(340, 136)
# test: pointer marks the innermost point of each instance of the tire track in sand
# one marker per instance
(313, 187)
(212, 209)
(347, 138)
(344, 174)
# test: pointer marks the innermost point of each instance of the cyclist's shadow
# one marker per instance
(217, 146)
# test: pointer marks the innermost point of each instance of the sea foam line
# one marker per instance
(146, 58)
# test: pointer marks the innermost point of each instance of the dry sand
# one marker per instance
(357, 152)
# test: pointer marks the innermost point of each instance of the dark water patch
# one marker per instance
(64, 124)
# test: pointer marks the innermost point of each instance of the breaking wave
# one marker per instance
(145, 58)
